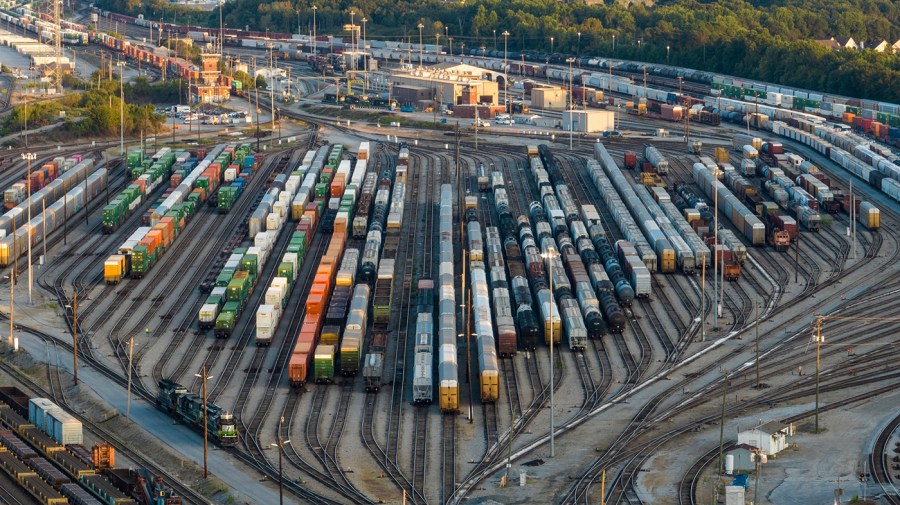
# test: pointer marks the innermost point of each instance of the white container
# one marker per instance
(265, 315)
(273, 222)
(208, 312)
(64, 428)
(281, 284)
(274, 296)
(230, 174)
(264, 333)
(292, 184)
(281, 209)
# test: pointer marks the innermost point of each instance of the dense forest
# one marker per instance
(770, 40)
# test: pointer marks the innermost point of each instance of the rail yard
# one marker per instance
(371, 315)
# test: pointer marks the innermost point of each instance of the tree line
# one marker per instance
(769, 40)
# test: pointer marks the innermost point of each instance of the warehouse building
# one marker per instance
(449, 84)
(588, 121)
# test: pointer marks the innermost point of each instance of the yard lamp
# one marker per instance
(549, 256)
(205, 423)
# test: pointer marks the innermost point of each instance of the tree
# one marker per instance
(260, 82)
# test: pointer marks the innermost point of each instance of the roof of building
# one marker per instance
(770, 427)
(846, 41)
(829, 43)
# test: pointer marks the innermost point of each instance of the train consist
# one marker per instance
(448, 367)
(51, 207)
(188, 408)
(423, 369)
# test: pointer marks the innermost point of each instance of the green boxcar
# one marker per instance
(323, 364)
(350, 354)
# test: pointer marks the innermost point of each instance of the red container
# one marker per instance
(175, 180)
(630, 160)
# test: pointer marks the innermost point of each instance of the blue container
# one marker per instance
(741, 479)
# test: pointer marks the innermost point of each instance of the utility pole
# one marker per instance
(58, 43)
(121, 65)
(703, 301)
(205, 425)
(722, 424)
(757, 342)
(818, 364)
(130, 355)
(12, 304)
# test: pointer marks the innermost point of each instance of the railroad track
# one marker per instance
(690, 481)
(222, 244)
(879, 462)
(387, 455)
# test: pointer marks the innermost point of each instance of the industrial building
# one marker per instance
(769, 438)
(588, 121)
(445, 84)
(549, 98)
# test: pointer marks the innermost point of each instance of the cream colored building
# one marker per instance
(549, 98)
(450, 81)
(588, 121)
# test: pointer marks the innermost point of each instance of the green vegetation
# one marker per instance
(770, 40)
(95, 112)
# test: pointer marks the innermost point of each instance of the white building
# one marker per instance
(769, 438)
(588, 121)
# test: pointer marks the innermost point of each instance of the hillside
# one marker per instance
(771, 40)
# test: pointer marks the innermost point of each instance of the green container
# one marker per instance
(134, 159)
(296, 251)
(237, 289)
(136, 172)
(140, 261)
(215, 300)
(111, 216)
(203, 182)
(321, 190)
(225, 324)
(231, 308)
(190, 207)
(227, 196)
(250, 263)
(286, 270)
(323, 364)
(240, 250)
(223, 279)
